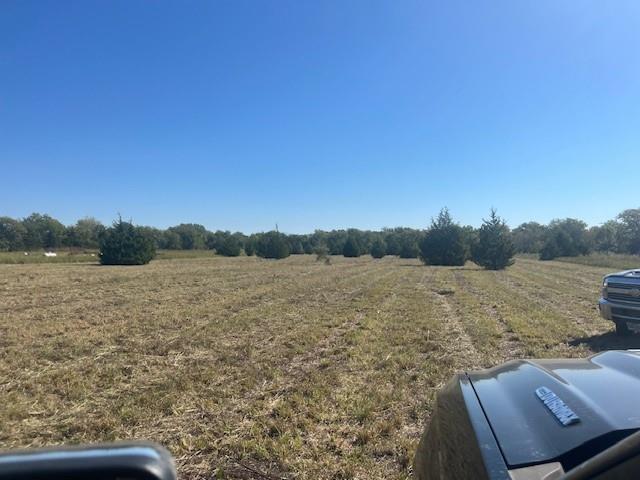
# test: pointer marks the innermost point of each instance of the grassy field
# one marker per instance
(81, 256)
(609, 260)
(246, 368)
(62, 256)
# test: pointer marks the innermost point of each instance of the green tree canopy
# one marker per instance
(444, 242)
(126, 244)
(493, 248)
(230, 247)
(12, 234)
(42, 231)
(351, 247)
(192, 236)
(378, 248)
(272, 244)
(565, 238)
(630, 231)
(85, 233)
(529, 237)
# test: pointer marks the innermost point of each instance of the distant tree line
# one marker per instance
(570, 237)
(444, 242)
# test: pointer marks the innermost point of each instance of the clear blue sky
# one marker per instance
(325, 114)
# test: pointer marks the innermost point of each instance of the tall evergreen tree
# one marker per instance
(444, 242)
(126, 244)
(378, 248)
(351, 247)
(493, 249)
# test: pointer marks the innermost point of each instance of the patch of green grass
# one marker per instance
(63, 256)
(176, 254)
(610, 260)
(66, 255)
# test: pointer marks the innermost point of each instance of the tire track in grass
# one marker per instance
(575, 302)
(509, 345)
(585, 287)
(265, 406)
(543, 331)
(580, 309)
(582, 277)
(321, 381)
(412, 345)
(461, 342)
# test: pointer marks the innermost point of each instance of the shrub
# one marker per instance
(272, 245)
(230, 247)
(550, 249)
(295, 247)
(351, 248)
(125, 244)
(443, 243)
(378, 248)
(335, 241)
(493, 249)
(322, 254)
(409, 249)
(249, 247)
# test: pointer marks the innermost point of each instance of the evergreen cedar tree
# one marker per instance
(378, 248)
(493, 247)
(272, 245)
(126, 244)
(351, 248)
(444, 242)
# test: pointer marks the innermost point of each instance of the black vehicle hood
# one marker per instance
(603, 391)
(635, 273)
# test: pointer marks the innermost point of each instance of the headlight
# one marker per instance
(605, 284)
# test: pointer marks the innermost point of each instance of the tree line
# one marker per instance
(444, 242)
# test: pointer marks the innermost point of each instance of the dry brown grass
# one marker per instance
(246, 368)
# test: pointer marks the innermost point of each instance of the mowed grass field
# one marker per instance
(248, 368)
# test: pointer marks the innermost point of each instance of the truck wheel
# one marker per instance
(622, 329)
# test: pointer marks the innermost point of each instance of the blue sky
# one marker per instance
(243, 114)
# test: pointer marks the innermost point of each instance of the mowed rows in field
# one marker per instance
(246, 368)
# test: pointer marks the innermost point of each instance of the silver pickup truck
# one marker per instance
(620, 301)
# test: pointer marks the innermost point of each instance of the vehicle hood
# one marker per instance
(635, 273)
(603, 391)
